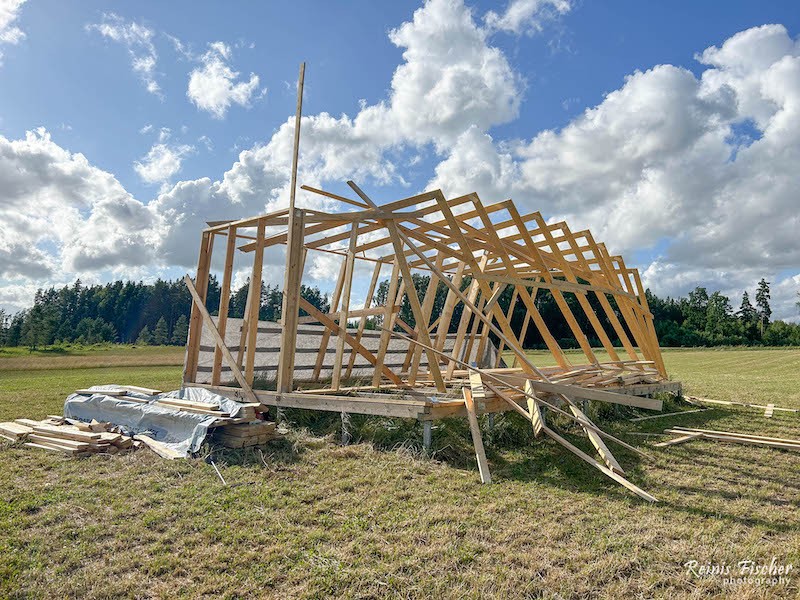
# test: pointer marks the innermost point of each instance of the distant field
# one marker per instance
(92, 356)
(311, 519)
(741, 374)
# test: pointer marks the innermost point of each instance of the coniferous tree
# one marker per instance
(161, 333)
(181, 331)
(747, 312)
(145, 337)
(762, 301)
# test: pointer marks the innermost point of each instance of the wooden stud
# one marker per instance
(348, 282)
(295, 261)
(255, 305)
(224, 301)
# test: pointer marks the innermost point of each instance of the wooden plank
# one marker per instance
(427, 308)
(388, 323)
(447, 310)
(602, 468)
(159, 448)
(88, 392)
(678, 440)
(597, 442)
(363, 321)
(291, 292)
(730, 403)
(63, 432)
(141, 390)
(672, 414)
(409, 409)
(224, 301)
(54, 448)
(195, 320)
(255, 304)
(472, 296)
(736, 434)
(296, 145)
(477, 441)
(336, 379)
(595, 394)
(537, 418)
(47, 440)
(308, 188)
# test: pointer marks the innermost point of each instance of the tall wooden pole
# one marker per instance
(291, 280)
(296, 140)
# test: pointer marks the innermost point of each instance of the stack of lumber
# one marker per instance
(66, 435)
(687, 434)
(248, 412)
(246, 434)
(616, 373)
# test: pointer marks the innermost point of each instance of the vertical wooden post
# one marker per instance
(244, 328)
(196, 320)
(363, 322)
(255, 303)
(472, 295)
(326, 335)
(348, 283)
(427, 308)
(294, 260)
(291, 295)
(388, 324)
(224, 301)
(447, 311)
(297, 120)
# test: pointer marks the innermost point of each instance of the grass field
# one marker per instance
(309, 518)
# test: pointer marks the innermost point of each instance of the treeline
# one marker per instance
(126, 312)
(158, 313)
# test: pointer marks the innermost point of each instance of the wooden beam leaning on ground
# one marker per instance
(226, 354)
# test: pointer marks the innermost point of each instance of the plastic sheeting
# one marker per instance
(181, 430)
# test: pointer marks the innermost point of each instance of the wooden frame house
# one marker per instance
(322, 361)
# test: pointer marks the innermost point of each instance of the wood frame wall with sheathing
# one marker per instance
(494, 246)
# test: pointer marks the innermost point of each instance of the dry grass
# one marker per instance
(117, 355)
(312, 519)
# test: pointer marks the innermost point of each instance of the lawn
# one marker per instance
(309, 518)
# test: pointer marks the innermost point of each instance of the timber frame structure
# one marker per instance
(452, 240)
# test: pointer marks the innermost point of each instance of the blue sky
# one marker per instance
(607, 114)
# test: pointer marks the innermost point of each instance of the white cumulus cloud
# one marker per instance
(161, 162)
(214, 86)
(138, 39)
(526, 16)
(9, 33)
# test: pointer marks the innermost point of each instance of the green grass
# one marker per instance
(101, 355)
(308, 518)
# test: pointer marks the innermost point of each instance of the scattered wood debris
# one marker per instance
(767, 408)
(687, 434)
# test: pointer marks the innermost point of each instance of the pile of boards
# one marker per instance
(68, 436)
(247, 413)
(246, 434)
